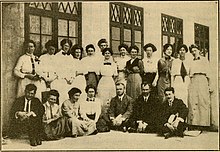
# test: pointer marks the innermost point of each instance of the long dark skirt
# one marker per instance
(56, 129)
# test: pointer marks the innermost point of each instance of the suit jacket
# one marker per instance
(147, 111)
(123, 107)
(177, 107)
(36, 106)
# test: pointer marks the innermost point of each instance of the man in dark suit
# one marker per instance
(173, 115)
(120, 109)
(145, 111)
(27, 113)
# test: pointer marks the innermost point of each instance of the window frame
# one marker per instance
(170, 34)
(204, 39)
(54, 14)
(122, 26)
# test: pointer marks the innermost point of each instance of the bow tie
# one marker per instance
(90, 99)
(167, 57)
(197, 58)
(65, 53)
(107, 63)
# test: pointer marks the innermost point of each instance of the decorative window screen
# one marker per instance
(202, 38)
(126, 26)
(56, 21)
(172, 31)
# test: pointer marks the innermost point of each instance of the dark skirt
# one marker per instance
(91, 79)
(148, 77)
(56, 129)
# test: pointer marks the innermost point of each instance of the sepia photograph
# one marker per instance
(109, 75)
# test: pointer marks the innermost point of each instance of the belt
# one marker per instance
(199, 74)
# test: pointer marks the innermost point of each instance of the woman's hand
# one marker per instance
(136, 69)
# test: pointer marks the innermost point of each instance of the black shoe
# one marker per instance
(124, 129)
(94, 133)
(167, 135)
(131, 130)
(38, 141)
(33, 142)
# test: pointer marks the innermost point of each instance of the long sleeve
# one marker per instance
(141, 67)
(18, 67)
(182, 109)
(112, 108)
(66, 111)
(129, 109)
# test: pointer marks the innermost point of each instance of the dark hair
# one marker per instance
(29, 41)
(150, 45)
(73, 91)
(50, 43)
(90, 46)
(102, 41)
(74, 48)
(54, 92)
(123, 46)
(182, 46)
(133, 47)
(166, 46)
(31, 87)
(107, 49)
(145, 83)
(169, 89)
(90, 86)
(64, 41)
(120, 83)
(193, 46)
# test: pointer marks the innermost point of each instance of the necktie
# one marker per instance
(90, 99)
(27, 106)
(51, 112)
(64, 53)
(183, 72)
(33, 66)
(170, 103)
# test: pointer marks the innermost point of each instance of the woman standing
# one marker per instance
(91, 66)
(54, 123)
(79, 81)
(180, 74)
(70, 109)
(134, 70)
(65, 71)
(27, 70)
(150, 65)
(121, 61)
(108, 72)
(164, 70)
(199, 89)
(47, 62)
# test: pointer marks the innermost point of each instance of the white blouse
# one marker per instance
(150, 64)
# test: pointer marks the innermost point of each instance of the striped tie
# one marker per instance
(33, 66)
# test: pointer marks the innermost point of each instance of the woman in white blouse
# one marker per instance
(199, 89)
(180, 74)
(47, 62)
(53, 122)
(150, 65)
(90, 107)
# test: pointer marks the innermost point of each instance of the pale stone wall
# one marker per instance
(12, 40)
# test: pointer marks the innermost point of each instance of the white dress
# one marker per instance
(66, 71)
(106, 88)
(121, 63)
(47, 69)
(23, 67)
(180, 86)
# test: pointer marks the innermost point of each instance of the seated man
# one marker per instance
(120, 109)
(145, 111)
(173, 115)
(27, 113)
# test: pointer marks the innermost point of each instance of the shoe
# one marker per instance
(74, 136)
(94, 133)
(131, 130)
(38, 141)
(124, 129)
(33, 142)
(167, 135)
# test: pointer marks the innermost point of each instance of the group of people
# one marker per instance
(78, 95)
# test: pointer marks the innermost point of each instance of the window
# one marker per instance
(126, 26)
(172, 31)
(47, 20)
(202, 38)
